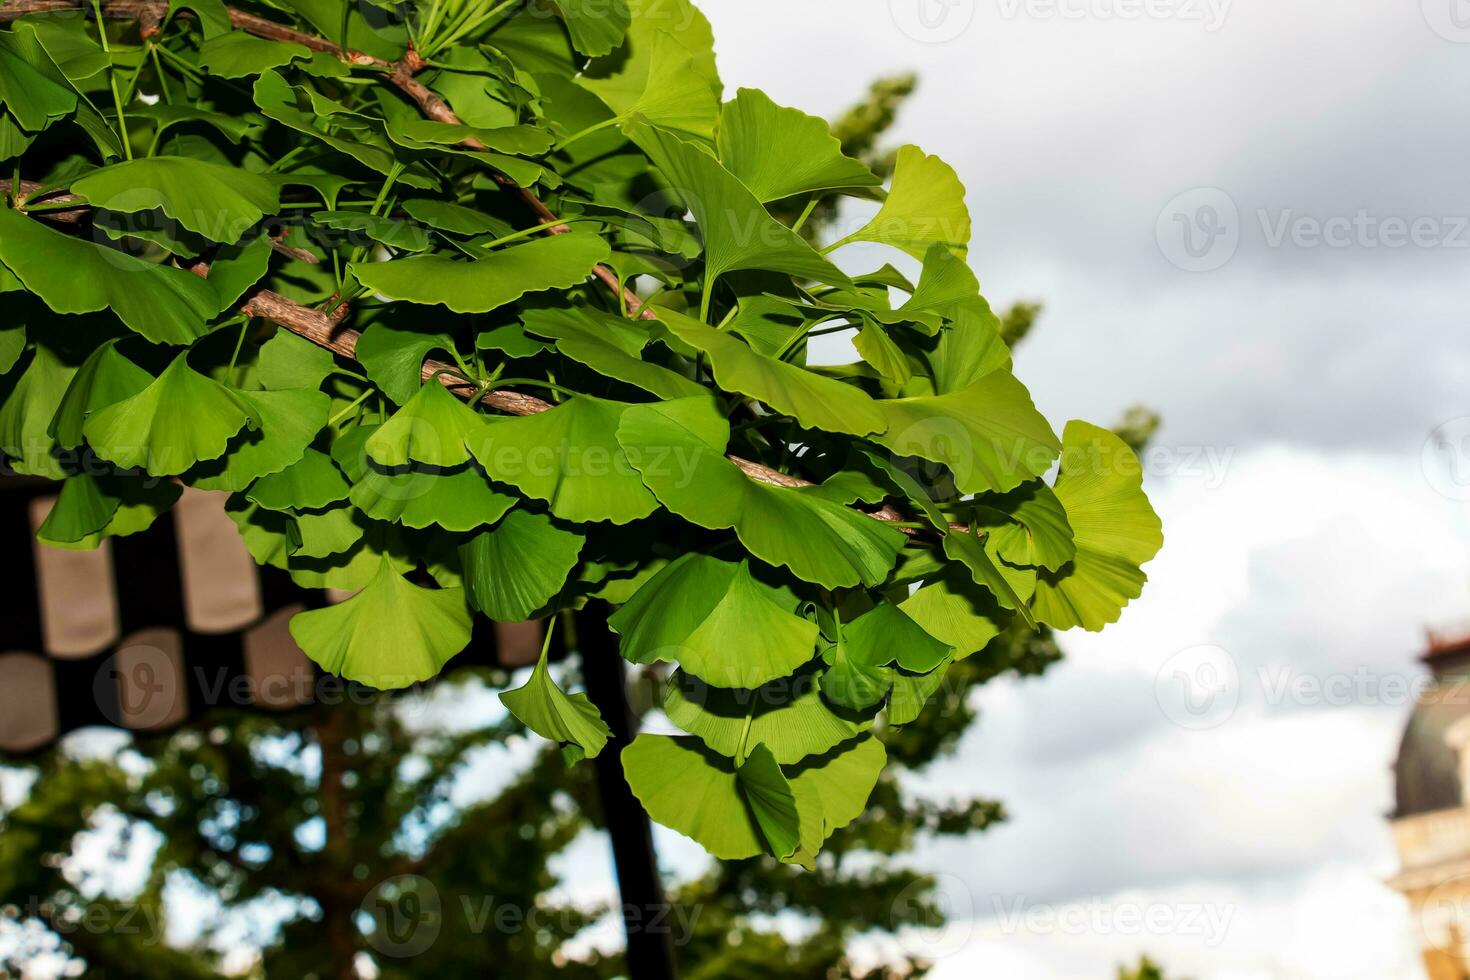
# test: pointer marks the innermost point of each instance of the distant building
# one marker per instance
(1431, 818)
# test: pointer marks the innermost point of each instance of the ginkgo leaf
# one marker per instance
(814, 401)
(771, 801)
(1011, 586)
(215, 201)
(688, 83)
(289, 361)
(673, 96)
(863, 658)
(788, 715)
(178, 420)
(238, 54)
(1100, 485)
(778, 152)
(734, 226)
(163, 304)
(92, 508)
(513, 569)
(596, 27)
(717, 621)
(328, 532)
(390, 635)
(388, 231)
(667, 772)
(285, 423)
(925, 207)
(678, 448)
(432, 427)
(105, 378)
(235, 268)
(30, 95)
(1035, 530)
(831, 790)
(570, 457)
(481, 285)
(570, 719)
(29, 399)
(458, 499)
(957, 612)
(609, 345)
(393, 357)
(854, 681)
(912, 693)
(310, 482)
(990, 434)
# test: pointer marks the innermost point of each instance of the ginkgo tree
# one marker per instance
(501, 308)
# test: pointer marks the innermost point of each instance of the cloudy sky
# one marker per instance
(1302, 343)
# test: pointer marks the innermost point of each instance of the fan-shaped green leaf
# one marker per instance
(570, 457)
(390, 635)
(831, 790)
(1116, 530)
(925, 207)
(503, 580)
(432, 427)
(289, 361)
(459, 499)
(717, 621)
(215, 201)
(393, 358)
(310, 482)
(609, 345)
(862, 659)
(596, 27)
(178, 420)
(771, 801)
(1036, 532)
(814, 401)
(389, 231)
(686, 787)
(286, 423)
(29, 94)
(570, 719)
(956, 611)
(778, 152)
(238, 54)
(105, 378)
(163, 304)
(29, 399)
(501, 277)
(90, 509)
(788, 715)
(678, 449)
(990, 434)
(735, 228)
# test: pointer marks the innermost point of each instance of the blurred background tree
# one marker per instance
(337, 839)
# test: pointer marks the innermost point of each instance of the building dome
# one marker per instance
(1427, 772)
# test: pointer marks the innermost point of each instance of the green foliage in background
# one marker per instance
(585, 302)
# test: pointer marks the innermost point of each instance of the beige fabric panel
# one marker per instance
(28, 717)
(280, 675)
(152, 690)
(78, 601)
(221, 589)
